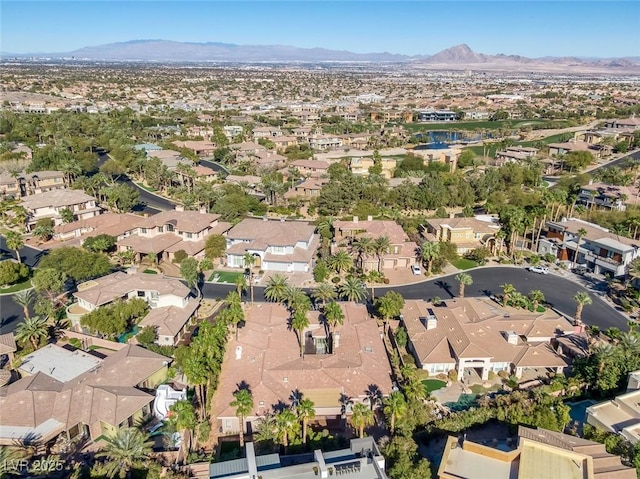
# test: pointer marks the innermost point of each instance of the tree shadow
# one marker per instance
(373, 394)
(445, 286)
(243, 385)
(295, 397)
(279, 406)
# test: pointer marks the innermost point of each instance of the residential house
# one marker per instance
(476, 115)
(476, 336)
(608, 197)
(513, 154)
(287, 246)
(348, 362)
(24, 151)
(324, 142)
(620, 415)
(231, 131)
(631, 123)
(169, 158)
(49, 204)
(27, 184)
(306, 190)
(118, 225)
(401, 253)
(600, 250)
(200, 131)
(197, 172)
(538, 454)
(437, 115)
(267, 132)
(361, 166)
(246, 150)
(167, 232)
(448, 156)
(268, 159)
(362, 459)
(556, 149)
(302, 132)
(312, 168)
(200, 148)
(77, 396)
(466, 234)
(283, 142)
(172, 308)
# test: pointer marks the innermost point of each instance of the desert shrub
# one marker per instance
(180, 256)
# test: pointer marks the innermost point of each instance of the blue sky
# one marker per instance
(530, 28)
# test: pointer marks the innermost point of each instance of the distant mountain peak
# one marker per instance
(457, 54)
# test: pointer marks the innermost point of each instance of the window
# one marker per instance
(143, 231)
(140, 294)
(278, 249)
(189, 235)
(170, 228)
(160, 229)
(609, 254)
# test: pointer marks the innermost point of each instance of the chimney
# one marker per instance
(238, 352)
(336, 340)
(179, 208)
(203, 210)
(282, 220)
(432, 322)
(511, 337)
(578, 328)
(369, 218)
(355, 219)
(590, 182)
(265, 218)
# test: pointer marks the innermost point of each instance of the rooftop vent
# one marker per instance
(238, 352)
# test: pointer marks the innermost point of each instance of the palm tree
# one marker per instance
(582, 299)
(25, 299)
(630, 343)
(299, 322)
(286, 424)
(363, 246)
(241, 284)
(234, 314)
(361, 417)
(507, 290)
(249, 260)
(296, 299)
(581, 234)
(429, 252)
(395, 407)
(536, 296)
(306, 411)
(340, 262)
(182, 417)
(126, 448)
(324, 292)
(333, 315)
(243, 403)
(464, 279)
(381, 246)
(518, 300)
(634, 268)
(276, 288)
(15, 242)
(34, 330)
(353, 289)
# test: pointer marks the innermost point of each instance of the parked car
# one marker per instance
(415, 269)
(539, 269)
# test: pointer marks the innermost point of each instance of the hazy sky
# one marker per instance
(530, 28)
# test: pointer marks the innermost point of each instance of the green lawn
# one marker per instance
(150, 271)
(433, 385)
(464, 263)
(14, 288)
(144, 187)
(225, 276)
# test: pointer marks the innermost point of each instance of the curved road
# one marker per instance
(558, 291)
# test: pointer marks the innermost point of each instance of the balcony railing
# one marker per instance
(594, 258)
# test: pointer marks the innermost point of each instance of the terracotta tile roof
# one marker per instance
(107, 393)
(56, 198)
(189, 221)
(474, 327)
(111, 287)
(155, 244)
(476, 225)
(374, 229)
(168, 321)
(113, 224)
(270, 362)
(273, 233)
(7, 343)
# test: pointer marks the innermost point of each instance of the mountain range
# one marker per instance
(458, 57)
